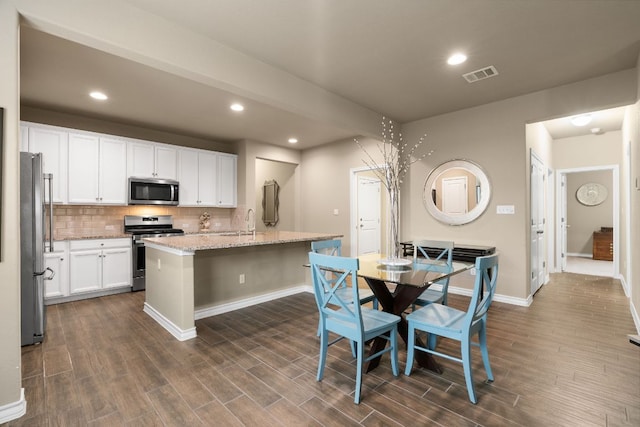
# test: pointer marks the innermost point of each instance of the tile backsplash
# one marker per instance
(91, 220)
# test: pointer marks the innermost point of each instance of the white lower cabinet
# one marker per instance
(58, 261)
(100, 264)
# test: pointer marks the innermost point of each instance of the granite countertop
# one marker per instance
(199, 242)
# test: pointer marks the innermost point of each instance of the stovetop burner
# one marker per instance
(150, 226)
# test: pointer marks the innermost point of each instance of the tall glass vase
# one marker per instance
(394, 257)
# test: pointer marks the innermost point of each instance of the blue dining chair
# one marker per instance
(334, 248)
(441, 320)
(351, 321)
(443, 252)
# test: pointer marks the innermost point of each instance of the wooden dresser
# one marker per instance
(603, 244)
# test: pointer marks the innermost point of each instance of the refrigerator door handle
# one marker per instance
(49, 177)
(42, 273)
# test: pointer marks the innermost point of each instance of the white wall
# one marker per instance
(10, 375)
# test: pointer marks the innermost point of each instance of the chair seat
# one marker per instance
(372, 322)
(430, 296)
(437, 317)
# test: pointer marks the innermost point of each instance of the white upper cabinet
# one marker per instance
(93, 168)
(52, 143)
(227, 180)
(113, 171)
(97, 172)
(197, 175)
(151, 160)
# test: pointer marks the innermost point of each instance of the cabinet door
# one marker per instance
(227, 180)
(188, 177)
(52, 143)
(24, 138)
(166, 162)
(207, 165)
(116, 267)
(85, 271)
(140, 160)
(84, 155)
(113, 171)
(59, 285)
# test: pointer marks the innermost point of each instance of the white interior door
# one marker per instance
(368, 226)
(454, 195)
(537, 224)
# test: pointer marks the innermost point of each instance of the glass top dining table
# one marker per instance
(397, 287)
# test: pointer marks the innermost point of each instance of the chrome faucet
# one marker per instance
(251, 222)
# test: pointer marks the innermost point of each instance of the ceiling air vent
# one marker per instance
(481, 74)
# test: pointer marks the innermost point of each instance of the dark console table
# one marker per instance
(461, 252)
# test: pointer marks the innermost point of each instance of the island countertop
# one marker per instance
(189, 244)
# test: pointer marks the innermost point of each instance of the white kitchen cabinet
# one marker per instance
(97, 172)
(99, 264)
(52, 142)
(197, 177)
(226, 180)
(152, 160)
(58, 261)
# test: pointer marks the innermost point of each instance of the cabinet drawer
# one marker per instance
(99, 244)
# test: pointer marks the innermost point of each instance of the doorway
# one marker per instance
(581, 220)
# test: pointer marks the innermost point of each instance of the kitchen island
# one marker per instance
(195, 276)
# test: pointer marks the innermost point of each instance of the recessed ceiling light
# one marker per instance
(293, 140)
(581, 120)
(100, 96)
(456, 59)
(237, 107)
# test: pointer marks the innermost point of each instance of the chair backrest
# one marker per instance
(484, 288)
(328, 300)
(444, 250)
(327, 247)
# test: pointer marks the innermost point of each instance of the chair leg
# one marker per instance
(324, 346)
(432, 341)
(465, 351)
(353, 348)
(393, 336)
(375, 303)
(411, 342)
(482, 338)
(360, 368)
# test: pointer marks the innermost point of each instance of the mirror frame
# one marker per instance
(270, 189)
(481, 204)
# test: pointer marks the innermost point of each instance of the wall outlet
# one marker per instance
(472, 271)
(185, 225)
(216, 224)
(109, 227)
(159, 265)
(336, 212)
(241, 278)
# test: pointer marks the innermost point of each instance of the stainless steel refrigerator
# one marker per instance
(32, 246)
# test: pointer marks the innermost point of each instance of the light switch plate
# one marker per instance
(505, 209)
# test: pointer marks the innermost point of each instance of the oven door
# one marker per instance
(138, 265)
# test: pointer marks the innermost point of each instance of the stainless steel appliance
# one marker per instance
(153, 191)
(32, 246)
(146, 226)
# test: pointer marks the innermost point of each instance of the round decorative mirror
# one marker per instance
(457, 192)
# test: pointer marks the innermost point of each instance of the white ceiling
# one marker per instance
(387, 56)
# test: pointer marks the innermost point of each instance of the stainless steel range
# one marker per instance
(141, 227)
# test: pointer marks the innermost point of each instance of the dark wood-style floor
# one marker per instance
(564, 361)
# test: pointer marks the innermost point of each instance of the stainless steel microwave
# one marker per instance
(153, 191)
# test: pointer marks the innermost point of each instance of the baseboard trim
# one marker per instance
(523, 302)
(179, 333)
(13, 410)
(202, 312)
